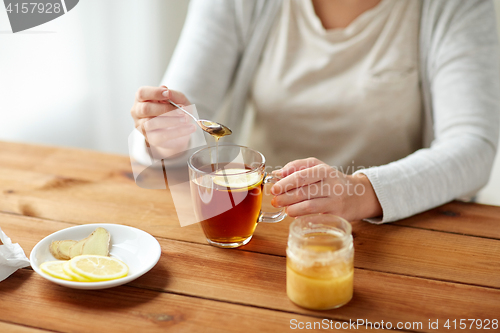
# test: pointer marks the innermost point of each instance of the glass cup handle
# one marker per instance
(271, 217)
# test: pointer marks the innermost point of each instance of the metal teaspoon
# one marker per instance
(213, 128)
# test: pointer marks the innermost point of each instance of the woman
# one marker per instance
(404, 92)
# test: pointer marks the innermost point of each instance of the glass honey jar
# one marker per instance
(320, 262)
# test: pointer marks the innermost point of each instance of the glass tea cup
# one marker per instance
(226, 188)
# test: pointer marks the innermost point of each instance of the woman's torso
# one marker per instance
(350, 97)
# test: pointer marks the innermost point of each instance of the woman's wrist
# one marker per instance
(365, 202)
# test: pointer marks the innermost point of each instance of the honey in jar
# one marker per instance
(320, 267)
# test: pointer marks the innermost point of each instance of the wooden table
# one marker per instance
(442, 265)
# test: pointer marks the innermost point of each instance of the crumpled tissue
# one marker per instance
(12, 257)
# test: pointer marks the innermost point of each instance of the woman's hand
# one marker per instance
(310, 186)
(169, 133)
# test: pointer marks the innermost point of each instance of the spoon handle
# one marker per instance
(179, 107)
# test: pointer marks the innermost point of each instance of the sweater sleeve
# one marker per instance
(206, 55)
(464, 79)
(201, 67)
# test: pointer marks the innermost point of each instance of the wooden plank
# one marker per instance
(71, 166)
(393, 249)
(258, 279)
(29, 299)
(430, 254)
(111, 201)
(14, 328)
(459, 217)
(117, 199)
(79, 201)
(65, 162)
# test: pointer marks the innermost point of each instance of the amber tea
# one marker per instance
(228, 203)
(227, 198)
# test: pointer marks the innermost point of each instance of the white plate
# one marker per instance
(138, 249)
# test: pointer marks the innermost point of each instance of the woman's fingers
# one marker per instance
(297, 165)
(302, 177)
(312, 191)
(166, 137)
(161, 123)
(170, 119)
(152, 109)
(152, 94)
(153, 101)
(175, 96)
(145, 94)
(314, 206)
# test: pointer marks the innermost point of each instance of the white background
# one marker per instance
(71, 82)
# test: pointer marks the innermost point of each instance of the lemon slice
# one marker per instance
(75, 277)
(98, 268)
(237, 178)
(55, 269)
